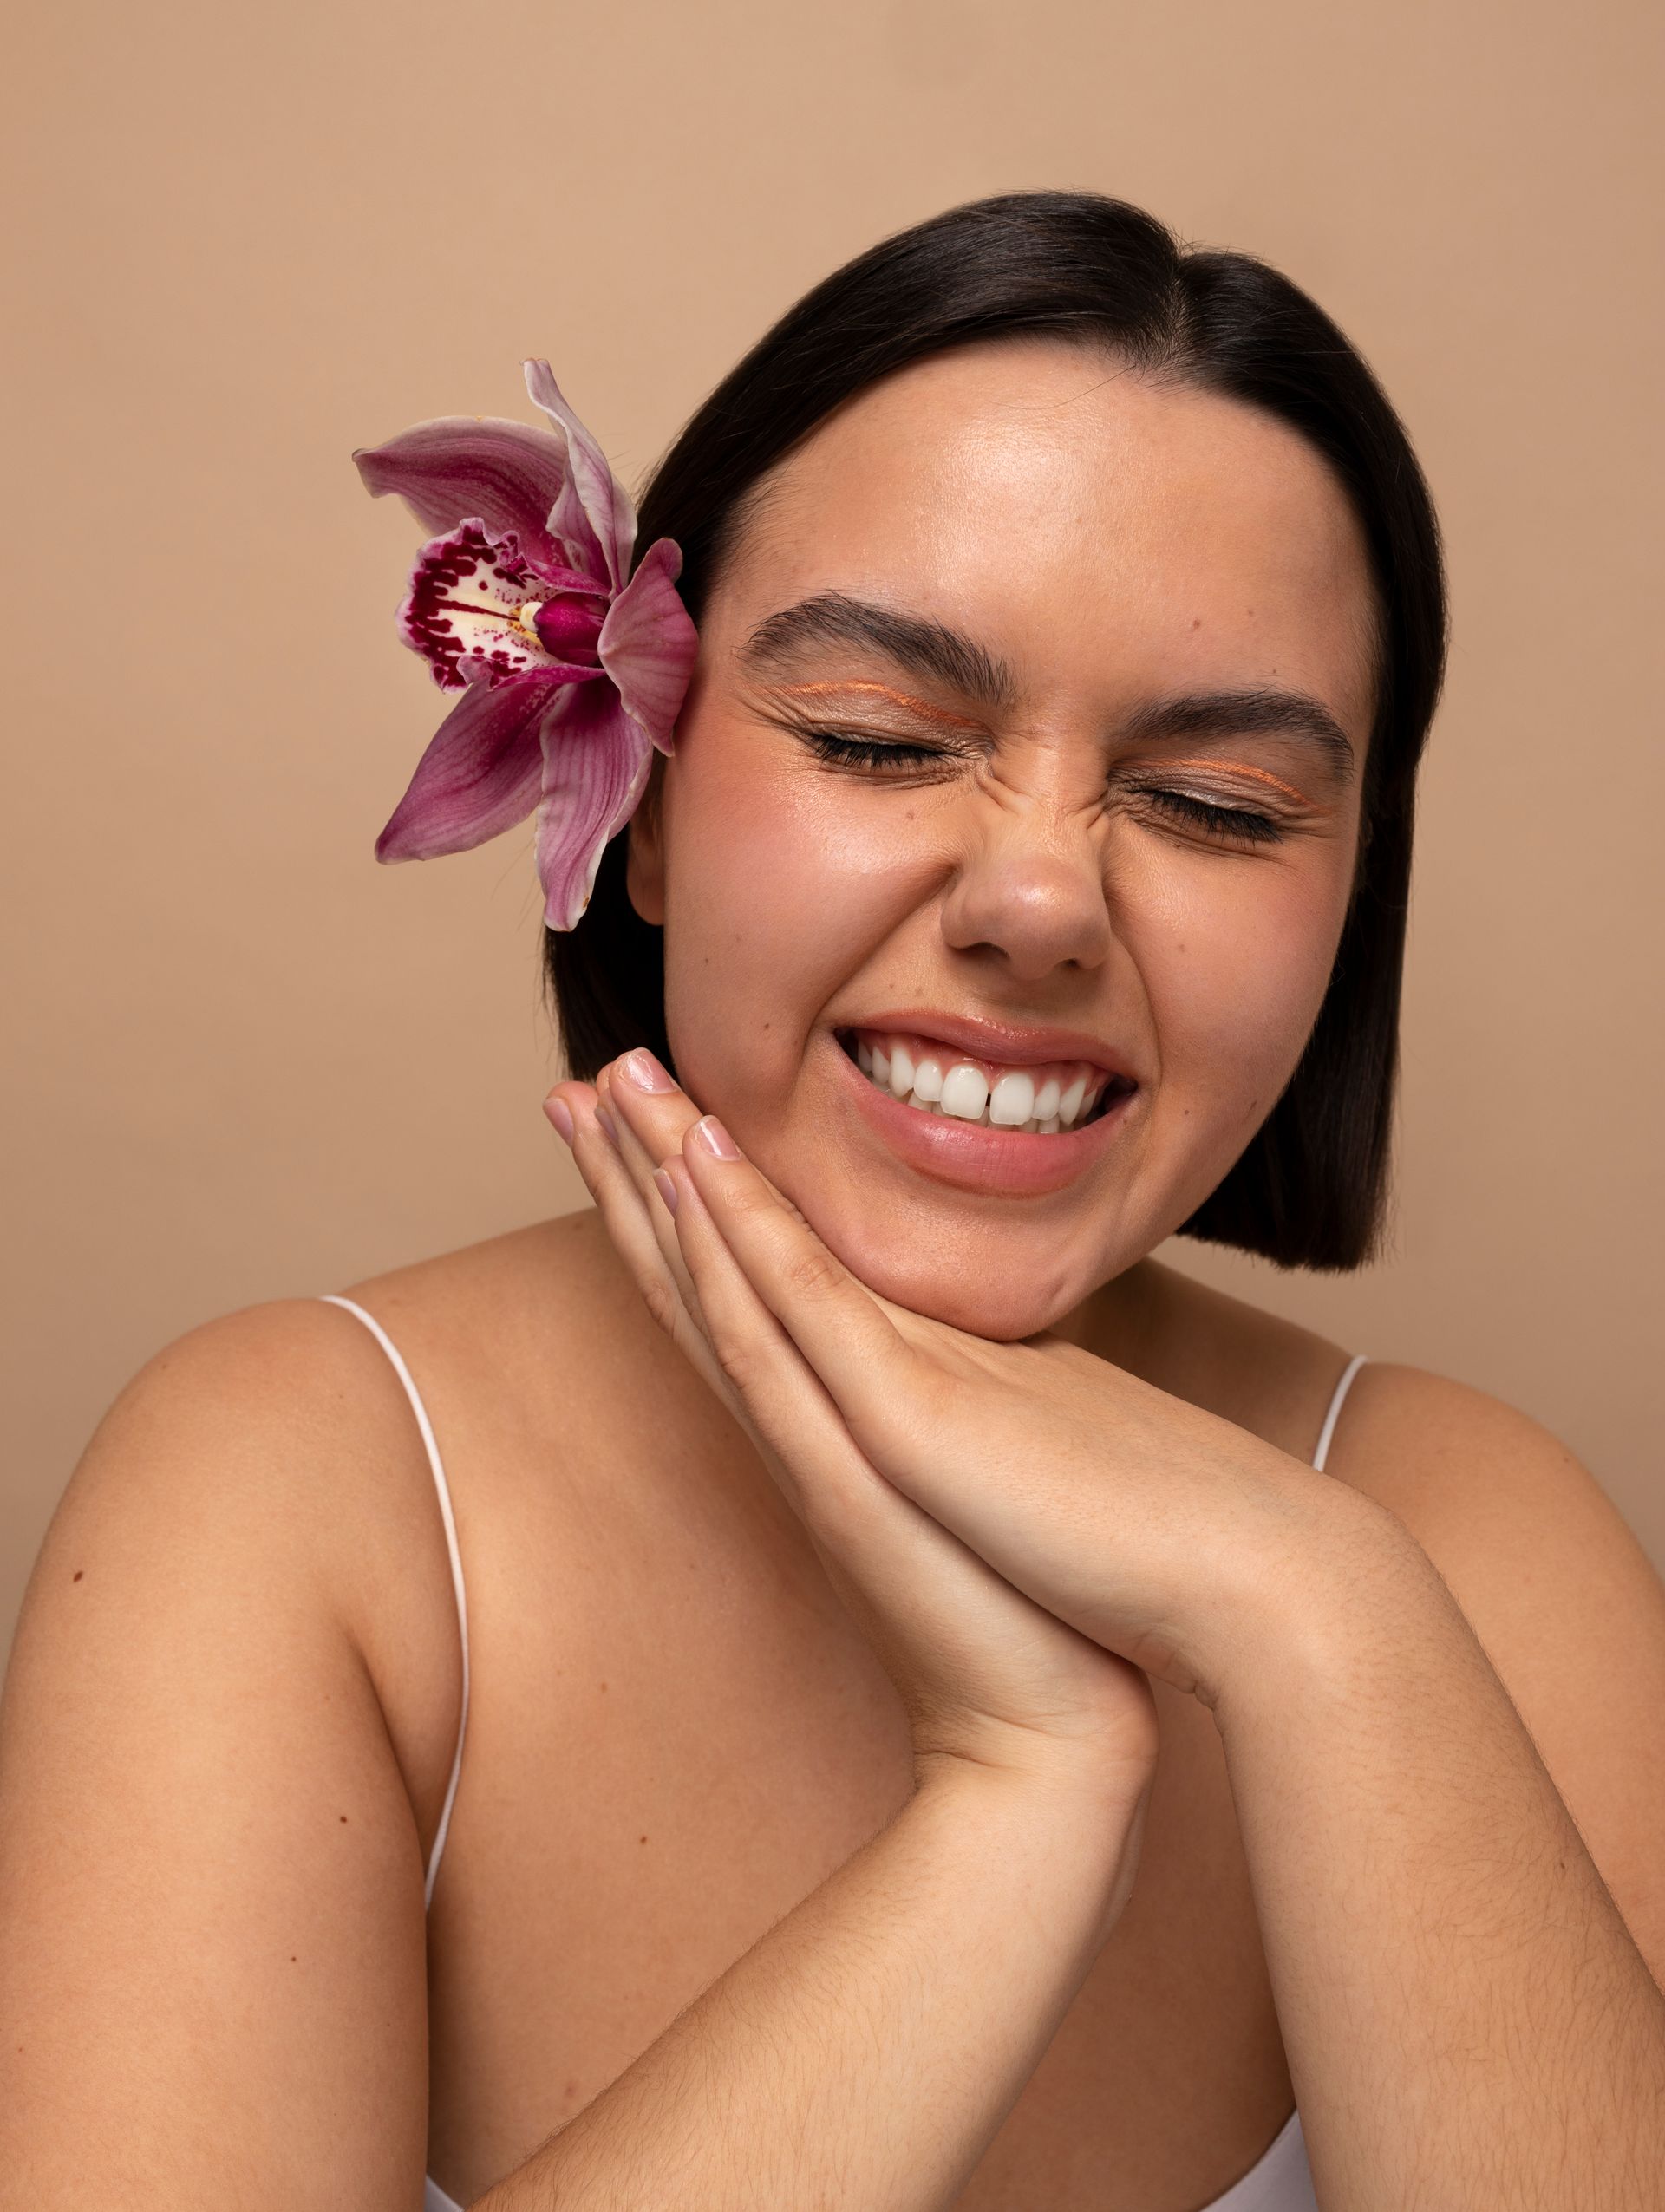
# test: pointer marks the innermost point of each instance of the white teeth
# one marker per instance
(1012, 1101)
(960, 1089)
(965, 1092)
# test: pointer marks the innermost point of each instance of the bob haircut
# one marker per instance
(1310, 1189)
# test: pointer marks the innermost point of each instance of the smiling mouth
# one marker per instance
(1048, 1100)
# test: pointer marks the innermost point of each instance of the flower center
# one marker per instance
(566, 626)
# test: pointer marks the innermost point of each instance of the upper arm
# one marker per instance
(1561, 1596)
(211, 1942)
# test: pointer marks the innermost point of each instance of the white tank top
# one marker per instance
(1279, 2181)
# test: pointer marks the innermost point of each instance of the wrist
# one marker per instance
(1339, 1558)
(1051, 1823)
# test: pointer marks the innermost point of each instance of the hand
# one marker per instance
(1166, 1535)
(984, 1674)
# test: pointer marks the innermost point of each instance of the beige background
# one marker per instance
(248, 1063)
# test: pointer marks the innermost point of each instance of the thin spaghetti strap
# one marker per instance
(449, 1519)
(1326, 1435)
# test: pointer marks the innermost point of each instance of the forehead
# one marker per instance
(1100, 530)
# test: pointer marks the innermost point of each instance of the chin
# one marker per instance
(994, 1300)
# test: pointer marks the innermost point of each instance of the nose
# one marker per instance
(1031, 889)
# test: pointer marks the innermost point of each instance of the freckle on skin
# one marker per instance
(344, 1817)
(79, 1572)
(641, 1839)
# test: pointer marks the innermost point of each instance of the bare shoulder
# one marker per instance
(266, 1464)
(1561, 1596)
(242, 1422)
(202, 1767)
(539, 1297)
(228, 1723)
(539, 1362)
(279, 1431)
(281, 1436)
(1480, 1483)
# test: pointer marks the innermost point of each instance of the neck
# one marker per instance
(1122, 1320)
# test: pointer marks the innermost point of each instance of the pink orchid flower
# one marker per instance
(573, 668)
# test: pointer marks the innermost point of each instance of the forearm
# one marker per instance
(864, 2051)
(1467, 2018)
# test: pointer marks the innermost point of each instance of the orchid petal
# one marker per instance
(506, 473)
(648, 643)
(594, 498)
(479, 776)
(595, 769)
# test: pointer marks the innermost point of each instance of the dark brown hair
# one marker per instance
(1310, 1189)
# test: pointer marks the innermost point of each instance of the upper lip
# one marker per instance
(1006, 1042)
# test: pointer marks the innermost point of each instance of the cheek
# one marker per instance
(777, 889)
(1235, 969)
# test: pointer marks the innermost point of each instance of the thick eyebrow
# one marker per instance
(1244, 714)
(912, 641)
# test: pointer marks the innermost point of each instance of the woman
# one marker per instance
(954, 1712)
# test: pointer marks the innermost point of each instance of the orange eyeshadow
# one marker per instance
(905, 699)
(1242, 768)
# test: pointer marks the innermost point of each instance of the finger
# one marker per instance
(788, 1405)
(847, 1338)
(652, 1115)
(913, 1586)
(625, 1215)
(638, 1134)
(801, 1429)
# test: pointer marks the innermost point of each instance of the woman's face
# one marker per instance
(1025, 741)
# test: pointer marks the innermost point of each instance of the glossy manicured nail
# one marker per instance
(607, 1123)
(560, 1119)
(711, 1133)
(641, 1068)
(666, 1186)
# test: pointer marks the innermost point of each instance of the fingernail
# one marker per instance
(607, 1122)
(711, 1133)
(641, 1068)
(560, 1119)
(666, 1185)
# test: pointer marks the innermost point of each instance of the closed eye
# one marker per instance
(843, 750)
(1244, 823)
(1239, 825)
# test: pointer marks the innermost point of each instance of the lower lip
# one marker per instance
(971, 1155)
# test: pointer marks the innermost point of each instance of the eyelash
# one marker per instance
(1242, 824)
(1245, 823)
(845, 752)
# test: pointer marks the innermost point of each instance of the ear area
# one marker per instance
(644, 868)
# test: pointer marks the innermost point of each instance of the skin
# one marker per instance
(1512, 2031)
(1115, 541)
(795, 1838)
